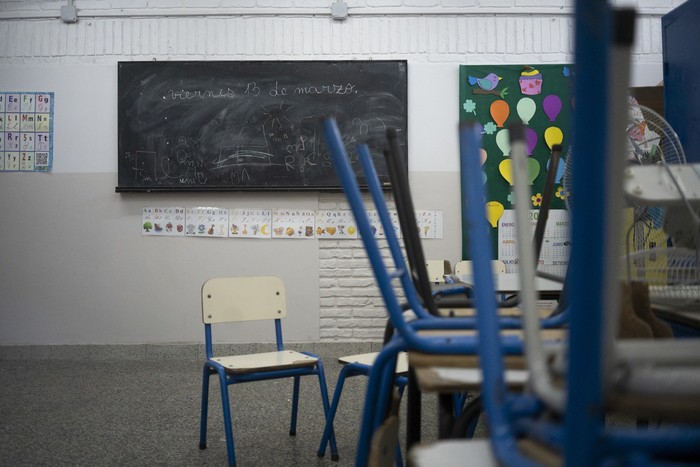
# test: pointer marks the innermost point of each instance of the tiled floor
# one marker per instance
(146, 412)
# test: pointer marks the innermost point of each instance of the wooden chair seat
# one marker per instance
(368, 359)
(266, 361)
(454, 452)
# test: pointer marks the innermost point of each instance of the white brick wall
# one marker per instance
(459, 31)
(478, 31)
(351, 306)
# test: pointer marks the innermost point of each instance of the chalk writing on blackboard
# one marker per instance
(250, 125)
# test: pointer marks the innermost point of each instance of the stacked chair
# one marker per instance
(408, 334)
(572, 385)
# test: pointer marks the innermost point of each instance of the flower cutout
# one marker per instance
(469, 106)
(537, 199)
(490, 128)
(511, 199)
(562, 193)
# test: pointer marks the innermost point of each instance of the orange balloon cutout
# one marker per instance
(552, 136)
(500, 111)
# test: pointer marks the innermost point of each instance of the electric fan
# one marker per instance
(660, 220)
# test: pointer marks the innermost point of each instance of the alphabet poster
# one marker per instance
(26, 131)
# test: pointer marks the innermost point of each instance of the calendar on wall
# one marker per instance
(26, 131)
(556, 245)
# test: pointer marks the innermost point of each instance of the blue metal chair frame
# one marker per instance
(583, 435)
(407, 338)
(348, 371)
(581, 438)
(225, 380)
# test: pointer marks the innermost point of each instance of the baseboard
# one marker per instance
(171, 351)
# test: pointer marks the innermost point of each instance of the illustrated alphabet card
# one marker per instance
(250, 223)
(293, 223)
(335, 224)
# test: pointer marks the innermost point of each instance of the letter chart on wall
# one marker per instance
(26, 131)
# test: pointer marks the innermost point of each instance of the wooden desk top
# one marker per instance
(687, 317)
(510, 282)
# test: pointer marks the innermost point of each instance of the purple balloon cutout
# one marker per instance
(552, 106)
(531, 138)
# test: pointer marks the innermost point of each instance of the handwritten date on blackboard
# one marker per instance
(251, 125)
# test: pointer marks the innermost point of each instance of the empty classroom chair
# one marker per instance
(236, 299)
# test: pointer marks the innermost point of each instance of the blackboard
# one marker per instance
(251, 125)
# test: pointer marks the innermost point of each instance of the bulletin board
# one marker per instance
(541, 96)
(26, 131)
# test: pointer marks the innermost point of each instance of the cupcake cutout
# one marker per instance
(530, 81)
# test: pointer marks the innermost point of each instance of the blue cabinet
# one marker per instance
(681, 60)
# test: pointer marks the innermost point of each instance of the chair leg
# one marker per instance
(465, 424)
(205, 407)
(295, 407)
(227, 418)
(326, 407)
(400, 382)
(385, 361)
(331, 413)
(384, 405)
(413, 411)
(459, 399)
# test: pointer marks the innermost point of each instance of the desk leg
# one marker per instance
(413, 410)
(445, 415)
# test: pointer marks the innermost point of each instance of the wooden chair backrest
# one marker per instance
(229, 299)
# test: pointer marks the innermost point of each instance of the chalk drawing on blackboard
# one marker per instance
(251, 125)
(144, 165)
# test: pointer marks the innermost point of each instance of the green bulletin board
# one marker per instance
(538, 95)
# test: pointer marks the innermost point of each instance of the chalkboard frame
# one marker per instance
(137, 116)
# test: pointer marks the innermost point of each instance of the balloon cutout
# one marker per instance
(561, 169)
(503, 142)
(483, 156)
(531, 138)
(499, 111)
(533, 170)
(506, 169)
(526, 109)
(552, 106)
(494, 211)
(552, 136)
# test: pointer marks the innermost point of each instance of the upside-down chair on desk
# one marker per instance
(407, 335)
(445, 302)
(236, 299)
(565, 422)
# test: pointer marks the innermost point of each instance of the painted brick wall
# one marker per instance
(482, 31)
(351, 306)
(474, 31)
